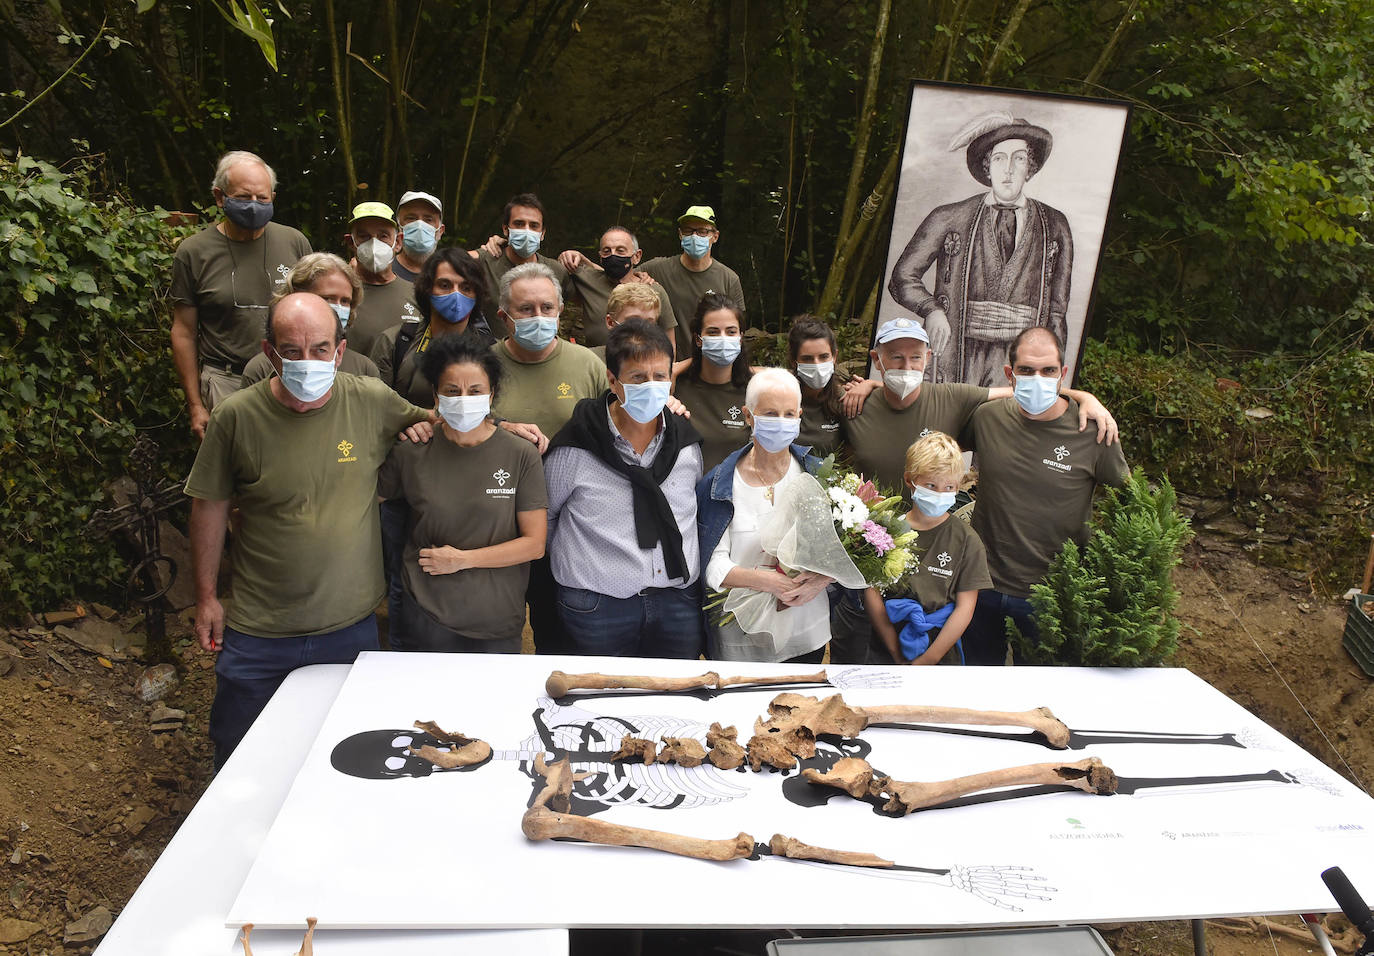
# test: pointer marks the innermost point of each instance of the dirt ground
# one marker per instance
(94, 782)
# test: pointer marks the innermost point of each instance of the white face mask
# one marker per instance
(903, 381)
(307, 379)
(816, 376)
(464, 412)
(375, 256)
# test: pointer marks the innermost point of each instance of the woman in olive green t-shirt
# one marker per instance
(478, 512)
(711, 384)
(811, 353)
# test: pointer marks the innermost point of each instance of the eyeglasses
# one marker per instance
(234, 292)
(704, 231)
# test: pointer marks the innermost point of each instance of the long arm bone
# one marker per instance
(795, 849)
(247, 931)
(559, 683)
(856, 777)
(831, 715)
(540, 823)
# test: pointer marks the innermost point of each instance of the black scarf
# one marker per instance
(589, 428)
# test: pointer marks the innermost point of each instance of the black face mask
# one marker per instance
(617, 267)
(247, 213)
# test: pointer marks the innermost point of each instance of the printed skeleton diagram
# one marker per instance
(569, 760)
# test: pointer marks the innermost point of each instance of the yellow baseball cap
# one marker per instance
(372, 210)
(704, 213)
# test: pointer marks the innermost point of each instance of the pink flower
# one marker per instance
(876, 535)
(867, 493)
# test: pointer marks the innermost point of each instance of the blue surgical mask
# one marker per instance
(525, 242)
(774, 433)
(720, 349)
(696, 246)
(536, 334)
(932, 503)
(307, 379)
(453, 307)
(644, 402)
(1036, 393)
(248, 213)
(419, 238)
(342, 311)
(464, 412)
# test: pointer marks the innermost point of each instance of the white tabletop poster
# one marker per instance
(1215, 813)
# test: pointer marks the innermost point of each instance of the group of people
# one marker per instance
(416, 424)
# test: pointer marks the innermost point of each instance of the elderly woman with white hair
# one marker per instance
(735, 501)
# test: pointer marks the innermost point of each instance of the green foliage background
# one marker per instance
(83, 367)
(1239, 245)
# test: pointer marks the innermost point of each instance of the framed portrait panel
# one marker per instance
(1001, 205)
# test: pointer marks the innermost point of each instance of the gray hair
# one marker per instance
(233, 158)
(768, 379)
(529, 270)
(634, 240)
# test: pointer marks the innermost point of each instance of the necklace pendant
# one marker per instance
(768, 494)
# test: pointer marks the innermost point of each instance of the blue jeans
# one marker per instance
(395, 518)
(249, 670)
(657, 622)
(985, 639)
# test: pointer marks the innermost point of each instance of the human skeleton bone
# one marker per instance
(307, 944)
(559, 683)
(797, 717)
(856, 778)
(465, 751)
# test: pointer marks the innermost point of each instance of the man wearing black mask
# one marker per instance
(618, 254)
(223, 279)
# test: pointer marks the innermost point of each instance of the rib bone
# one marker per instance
(856, 778)
(802, 717)
(559, 683)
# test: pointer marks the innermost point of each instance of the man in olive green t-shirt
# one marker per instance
(695, 272)
(298, 454)
(223, 278)
(522, 228)
(387, 299)
(545, 377)
(618, 256)
(1037, 475)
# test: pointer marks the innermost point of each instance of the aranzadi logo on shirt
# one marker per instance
(345, 448)
(1060, 453)
(283, 270)
(501, 477)
(943, 560)
(565, 390)
(408, 311)
(736, 419)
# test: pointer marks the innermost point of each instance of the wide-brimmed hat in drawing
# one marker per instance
(984, 132)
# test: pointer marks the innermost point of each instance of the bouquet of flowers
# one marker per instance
(871, 526)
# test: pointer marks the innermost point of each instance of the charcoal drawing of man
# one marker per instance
(1002, 259)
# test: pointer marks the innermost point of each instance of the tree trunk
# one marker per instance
(396, 72)
(1004, 41)
(1105, 57)
(336, 72)
(867, 111)
(830, 295)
